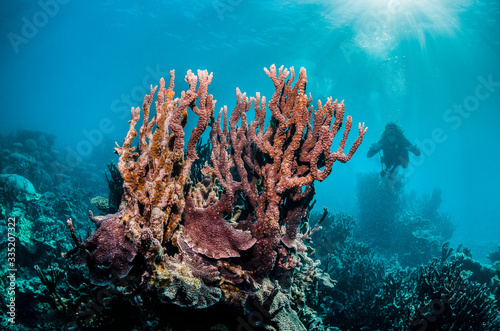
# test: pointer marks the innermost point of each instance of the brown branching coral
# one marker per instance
(275, 166)
(153, 180)
(154, 177)
(184, 239)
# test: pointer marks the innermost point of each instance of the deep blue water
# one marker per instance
(70, 67)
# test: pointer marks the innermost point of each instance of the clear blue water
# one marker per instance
(69, 68)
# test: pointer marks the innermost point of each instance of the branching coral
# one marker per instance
(275, 166)
(154, 177)
(115, 184)
(449, 301)
(50, 279)
(194, 247)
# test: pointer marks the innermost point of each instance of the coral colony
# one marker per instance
(235, 232)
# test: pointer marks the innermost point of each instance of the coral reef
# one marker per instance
(359, 273)
(224, 232)
(450, 301)
(452, 292)
(36, 193)
(393, 222)
(185, 242)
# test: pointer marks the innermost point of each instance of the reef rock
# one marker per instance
(19, 187)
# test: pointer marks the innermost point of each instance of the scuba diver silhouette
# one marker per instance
(394, 146)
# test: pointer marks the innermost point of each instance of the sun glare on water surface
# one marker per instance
(379, 25)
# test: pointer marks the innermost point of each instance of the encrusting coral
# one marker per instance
(191, 238)
(220, 239)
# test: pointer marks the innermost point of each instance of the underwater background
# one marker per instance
(72, 70)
